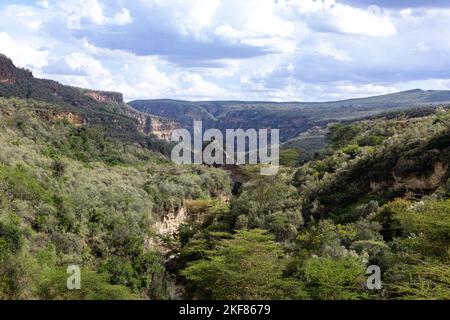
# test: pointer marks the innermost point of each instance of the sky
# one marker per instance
(276, 50)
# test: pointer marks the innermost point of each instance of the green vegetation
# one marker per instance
(369, 200)
(80, 185)
(290, 157)
(292, 118)
(220, 275)
(73, 194)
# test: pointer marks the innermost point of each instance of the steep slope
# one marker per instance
(378, 199)
(102, 108)
(84, 181)
(377, 159)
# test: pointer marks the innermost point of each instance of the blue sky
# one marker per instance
(279, 50)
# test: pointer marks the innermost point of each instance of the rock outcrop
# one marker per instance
(105, 96)
(52, 116)
(170, 224)
(160, 127)
(168, 227)
(7, 70)
(423, 182)
(414, 182)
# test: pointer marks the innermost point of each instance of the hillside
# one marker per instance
(292, 118)
(378, 196)
(106, 109)
(83, 183)
(85, 180)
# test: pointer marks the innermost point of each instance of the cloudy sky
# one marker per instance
(280, 50)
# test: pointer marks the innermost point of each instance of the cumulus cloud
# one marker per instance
(62, 67)
(138, 77)
(26, 55)
(231, 49)
(89, 11)
(333, 16)
(399, 3)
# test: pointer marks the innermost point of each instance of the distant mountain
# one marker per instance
(292, 118)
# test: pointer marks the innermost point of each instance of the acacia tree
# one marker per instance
(249, 266)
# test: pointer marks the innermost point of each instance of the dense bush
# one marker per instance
(249, 266)
(92, 198)
(369, 200)
(83, 194)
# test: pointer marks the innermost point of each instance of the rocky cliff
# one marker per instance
(82, 105)
(7, 70)
(160, 127)
(167, 227)
(105, 96)
(171, 223)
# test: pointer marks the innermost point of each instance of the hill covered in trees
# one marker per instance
(81, 184)
(377, 195)
(83, 181)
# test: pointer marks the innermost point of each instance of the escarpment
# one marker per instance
(7, 70)
(105, 96)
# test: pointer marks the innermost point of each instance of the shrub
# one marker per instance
(334, 279)
(249, 266)
(94, 286)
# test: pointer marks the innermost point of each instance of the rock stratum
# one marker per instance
(105, 96)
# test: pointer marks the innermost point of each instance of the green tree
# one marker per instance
(334, 279)
(248, 266)
(289, 157)
(94, 286)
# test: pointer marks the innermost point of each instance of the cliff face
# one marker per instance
(168, 227)
(429, 181)
(170, 224)
(52, 116)
(7, 70)
(163, 128)
(105, 96)
(160, 127)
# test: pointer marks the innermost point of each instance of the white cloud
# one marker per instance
(22, 16)
(363, 90)
(188, 17)
(139, 77)
(43, 3)
(350, 20)
(326, 49)
(230, 49)
(330, 15)
(258, 23)
(91, 10)
(25, 55)
(120, 18)
(422, 46)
